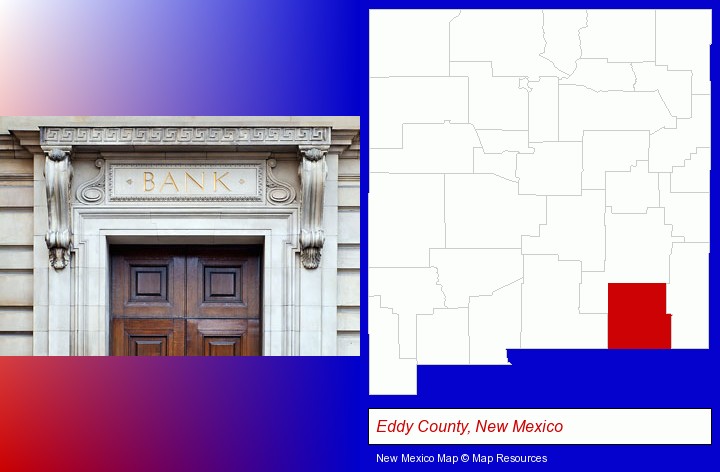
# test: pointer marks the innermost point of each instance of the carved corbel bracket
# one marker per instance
(313, 170)
(58, 178)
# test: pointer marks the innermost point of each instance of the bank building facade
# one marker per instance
(217, 236)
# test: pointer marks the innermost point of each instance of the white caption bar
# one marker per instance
(540, 426)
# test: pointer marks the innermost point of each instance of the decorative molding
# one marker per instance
(58, 178)
(10, 148)
(29, 141)
(279, 192)
(16, 177)
(348, 178)
(93, 191)
(139, 136)
(93, 225)
(313, 171)
(256, 197)
(344, 140)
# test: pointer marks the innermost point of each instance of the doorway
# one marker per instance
(185, 300)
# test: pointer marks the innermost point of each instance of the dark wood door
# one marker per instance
(175, 301)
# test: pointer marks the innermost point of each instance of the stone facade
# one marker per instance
(71, 187)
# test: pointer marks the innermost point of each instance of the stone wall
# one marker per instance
(16, 249)
(348, 323)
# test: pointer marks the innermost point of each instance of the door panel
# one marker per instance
(174, 301)
(213, 337)
(159, 337)
(223, 286)
(149, 286)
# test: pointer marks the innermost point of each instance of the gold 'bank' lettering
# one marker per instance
(150, 180)
(202, 179)
(217, 179)
(191, 181)
(169, 180)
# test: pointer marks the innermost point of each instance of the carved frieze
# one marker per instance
(139, 136)
(58, 178)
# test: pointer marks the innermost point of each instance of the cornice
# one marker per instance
(344, 140)
(10, 147)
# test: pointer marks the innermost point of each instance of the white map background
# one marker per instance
(520, 161)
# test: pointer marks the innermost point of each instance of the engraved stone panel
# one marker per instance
(219, 182)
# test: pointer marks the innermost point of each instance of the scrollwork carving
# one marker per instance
(58, 178)
(313, 170)
(279, 192)
(93, 191)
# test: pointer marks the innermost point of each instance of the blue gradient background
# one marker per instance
(273, 57)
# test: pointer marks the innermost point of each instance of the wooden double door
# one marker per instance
(185, 300)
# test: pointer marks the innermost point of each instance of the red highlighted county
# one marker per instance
(637, 317)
